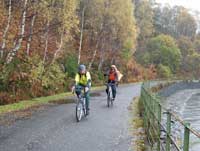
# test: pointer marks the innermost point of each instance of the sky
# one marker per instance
(190, 4)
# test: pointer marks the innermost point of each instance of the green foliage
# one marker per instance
(14, 74)
(97, 78)
(53, 77)
(187, 49)
(164, 71)
(186, 46)
(143, 58)
(163, 50)
(37, 68)
(50, 77)
(192, 64)
(110, 33)
(197, 43)
(100, 75)
(70, 65)
(127, 50)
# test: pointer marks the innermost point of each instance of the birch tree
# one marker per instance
(6, 29)
(66, 15)
(32, 24)
(17, 44)
(83, 6)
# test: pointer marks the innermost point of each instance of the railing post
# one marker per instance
(168, 141)
(145, 106)
(186, 137)
(159, 122)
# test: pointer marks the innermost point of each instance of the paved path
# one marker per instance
(56, 129)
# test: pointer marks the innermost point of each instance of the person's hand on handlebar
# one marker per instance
(86, 89)
(73, 89)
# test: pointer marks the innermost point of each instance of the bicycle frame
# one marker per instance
(81, 106)
(109, 94)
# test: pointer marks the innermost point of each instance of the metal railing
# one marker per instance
(165, 130)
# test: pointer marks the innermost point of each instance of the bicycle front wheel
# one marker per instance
(111, 102)
(108, 99)
(84, 107)
(79, 111)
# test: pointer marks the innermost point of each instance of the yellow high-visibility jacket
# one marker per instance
(84, 79)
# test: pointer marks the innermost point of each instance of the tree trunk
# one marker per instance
(31, 33)
(101, 61)
(6, 29)
(22, 30)
(96, 47)
(59, 48)
(46, 41)
(81, 36)
(94, 55)
(112, 60)
(102, 55)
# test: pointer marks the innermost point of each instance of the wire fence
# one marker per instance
(165, 130)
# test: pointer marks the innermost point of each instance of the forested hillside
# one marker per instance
(43, 41)
(168, 38)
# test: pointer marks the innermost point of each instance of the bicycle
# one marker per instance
(109, 94)
(81, 105)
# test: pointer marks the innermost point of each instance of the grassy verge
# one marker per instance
(22, 105)
(139, 142)
(30, 103)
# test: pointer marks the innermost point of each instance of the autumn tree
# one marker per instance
(176, 21)
(163, 50)
(108, 27)
(144, 19)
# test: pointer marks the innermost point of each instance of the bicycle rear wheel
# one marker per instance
(79, 111)
(108, 100)
(109, 97)
(111, 102)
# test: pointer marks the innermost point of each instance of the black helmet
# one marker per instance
(82, 68)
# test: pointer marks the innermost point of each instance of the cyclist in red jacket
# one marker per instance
(113, 80)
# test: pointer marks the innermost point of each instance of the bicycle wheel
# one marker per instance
(84, 107)
(109, 97)
(79, 111)
(111, 102)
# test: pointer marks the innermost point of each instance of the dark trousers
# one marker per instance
(114, 90)
(87, 95)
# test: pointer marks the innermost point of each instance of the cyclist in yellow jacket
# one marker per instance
(83, 80)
